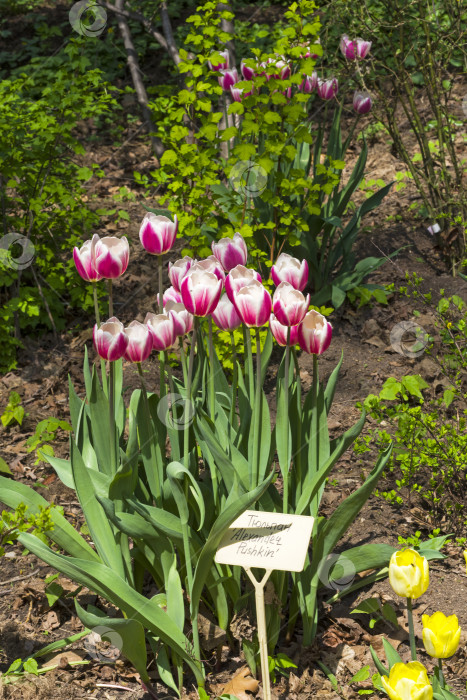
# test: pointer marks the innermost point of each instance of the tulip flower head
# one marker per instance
(291, 270)
(465, 557)
(309, 83)
(209, 264)
(157, 233)
(182, 319)
(408, 573)
(238, 94)
(237, 278)
(110, 339)
(247, 72)
(85, 260)
(279, 332)
(162, 330)
(354, 48)
(314, 333)
(139, 342)
(201, 291)
(223, 65)
(253, 303)
(327, 89)
(407, 682)
(225, 315)
(178, 270)
(441, 635)
(170, 294)
(362, 102)
(230, 252)
(308, 53)
(281, 69)
(228, 78)
(112, 256)
(289, 305)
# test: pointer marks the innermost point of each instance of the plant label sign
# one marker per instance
(267, 541)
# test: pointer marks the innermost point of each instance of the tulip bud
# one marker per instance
(407, 682)
(230, 252)
(112, 256)
(85, 260)
(157, 233)
(309, 83)
(362, 102)
(441, 635)
(356, 48)
(110, 340)
(253, 303)
(228, 78)
(225, 315)
(201, 291)
(237, 278)
(280, 332)
(178, 270)
(408, 573)
(162, 330)
(327, 89)
(289, 305)
(139, 342)
(221, 66)
(247, 72)
(291, 270)
(314, 333)
(182, 319)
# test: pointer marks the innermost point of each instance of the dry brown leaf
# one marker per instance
(240, 683)
(63, 659)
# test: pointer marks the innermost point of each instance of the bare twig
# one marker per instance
(129, 14)
(19, 578)
(168, 34)
(132, 60)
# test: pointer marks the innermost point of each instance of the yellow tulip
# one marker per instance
(408, 682)
(441, 635)
(408, 573)
(465, 557)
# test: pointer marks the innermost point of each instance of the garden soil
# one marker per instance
(27, 622)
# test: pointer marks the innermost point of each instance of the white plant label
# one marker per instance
(267, 541)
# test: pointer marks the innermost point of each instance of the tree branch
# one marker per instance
(168, 34)
(132, 60)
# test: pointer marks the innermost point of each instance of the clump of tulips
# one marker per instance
(409, 578)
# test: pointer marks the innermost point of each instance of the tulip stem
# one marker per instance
(186, 434)
(183, 360)
(257, 411)
(441, 674)
(211, 373)
(298, 457)
(113, 438)
(234, 379)
(98, 322)
(111, 301)
(159, 267)
(247, 350)
(413, 648)
(286, 402)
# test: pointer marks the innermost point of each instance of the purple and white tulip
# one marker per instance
(253, 303)
(228, 78)
(247, 72)
(110, 339)
(85, 260)
(170, 294)
(354, 48)
(182, 319)
(238, 94)
(282, 69)
(225, 315)
(308, 53)
(362, 102)
(221, 66)
(112, 256)
(289, 305)
(178, 270)
(230, 252)
(201, 291)
(162, 330)
(237, 278)
(309, 83)
(327, 89)
(209, 264)
(139, 342)
(157, 233)
(314, 333)
(279, 332)
(291, 270)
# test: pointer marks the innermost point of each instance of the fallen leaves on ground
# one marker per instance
(241, 683)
